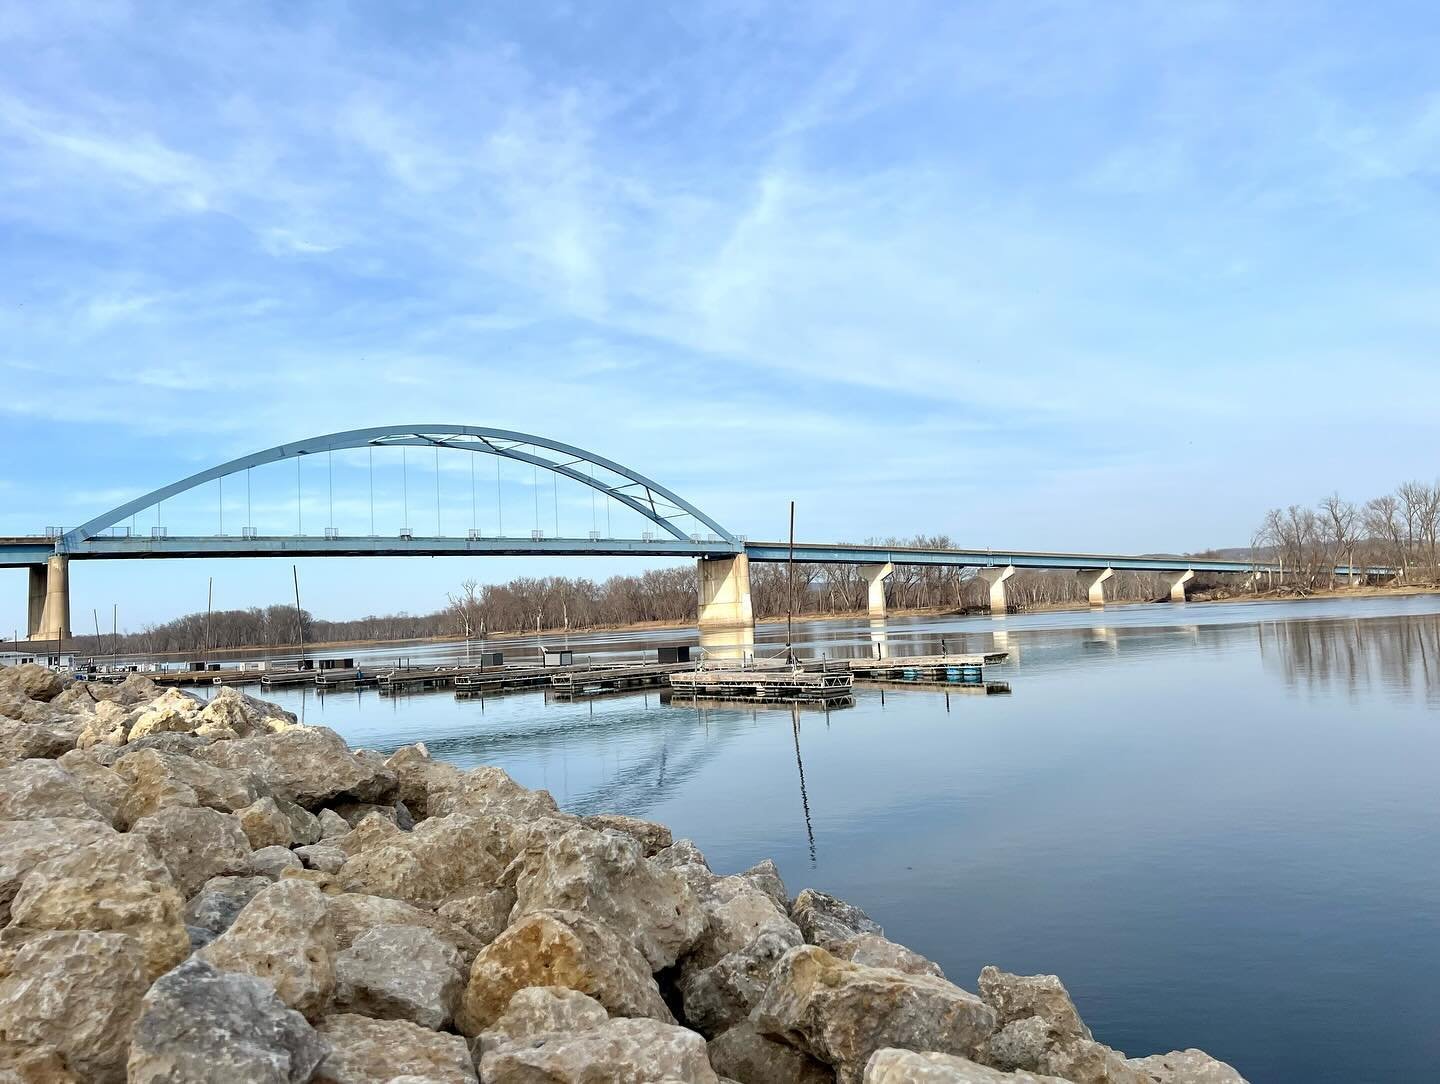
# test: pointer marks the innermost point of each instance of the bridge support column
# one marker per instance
(875, 577)
(1176, 582)
(35, 615)
(726, 618)
(55, 619)
(1094, 581)
(996, 578)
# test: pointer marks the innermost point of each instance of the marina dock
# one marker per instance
(833, 680)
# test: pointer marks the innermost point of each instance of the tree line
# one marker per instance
(662, 596)
(1395, 530)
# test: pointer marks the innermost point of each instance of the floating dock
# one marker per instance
(967, 669)
(784, 684)
(604, 680)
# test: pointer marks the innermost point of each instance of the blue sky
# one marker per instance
(1044, 275)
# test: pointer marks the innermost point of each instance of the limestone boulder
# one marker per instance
(823, 918)
(166, 742)
(744, 1055)
(400, 973)
(173, 712)
(483, 914)
(106, 789)
(201, 1024)
(32, 681)
(284, 936)
(1016, 997)
(20, 740)
(909, 1067)
(42, 789)
(607, 876)
(372, 830)
(25, 844)
(841, 1013)
(353, 813)
(108, 725)
(264, 824)
(135, 689)
(872, 950)
(353, 914)
(766, 877)
(273, 862)
(367, 1051)
(219, 901)
(78, 992)
(618, 1050)
(542, 1010)
(1032, 1044)
(718, 997)
(683, 852)
(420, 775)
(311, 766)
(232, 714)
(653, 838)
(25, 1063)
(1186, 1067)
(491, 790)
(441, 857)
(115, 884)
(559, 948)
(736, 912)
(332, 825)
(318, 856)
(195, 844)
(162, 780)
(304, 825)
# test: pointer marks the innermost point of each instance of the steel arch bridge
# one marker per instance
(664, 509)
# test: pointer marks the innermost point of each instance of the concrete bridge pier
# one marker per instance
(996, 578)
(875, 577)
(726, 618)
(1176, 582)
(35, 615)
(55, 621)
(1094, 581)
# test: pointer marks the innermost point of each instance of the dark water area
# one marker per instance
(1218, 823)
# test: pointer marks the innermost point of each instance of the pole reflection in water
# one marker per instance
(879, 638)
(800, 765)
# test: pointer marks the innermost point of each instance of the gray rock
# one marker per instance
(400, 973)
(219, 900)
(766, 877)
(841, 1013)
(198, 1024)
(909, 1067)
(484, 913)
(272, 862)
(722, 995)
(652, 837)
(746, 1056)
(353, 915)
(542, 1010)
(321, 857)
(872, 950)
(366, 1051)
(32, 681)
(823, 918)
(195, 844)
(332, 825)
(1015, 997)
(683, 852)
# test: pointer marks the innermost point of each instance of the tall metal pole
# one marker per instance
(790, 592)
(209, 606)
(299, 619)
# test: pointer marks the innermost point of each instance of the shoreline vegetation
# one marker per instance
(197, 891)
(86, 645)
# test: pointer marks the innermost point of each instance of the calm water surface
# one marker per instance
(1219, 824)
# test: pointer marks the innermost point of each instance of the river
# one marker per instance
(1218, 823)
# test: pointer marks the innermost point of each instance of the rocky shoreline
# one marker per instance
(211, 892)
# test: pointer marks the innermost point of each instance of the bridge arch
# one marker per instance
(643, 495)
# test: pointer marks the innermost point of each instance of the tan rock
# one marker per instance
(311, 766)
(542, 1010)
(232, 714)
(78, 992)
(264, 824)
(909, 1067)
(484, 914)
(24, 1063)
(744, 1055)
(109, 725)
(32, 681)
(841, 1013)
(160, 780)
(115, 884)
(606, 875)
(173, 712)
(25, 844)
(491, 790)
(823, 918)
(1015, 997)
(106, 788)
(653, 838)
(441, 857)
(372, 831)
(400, 973)
(283, 935)
(765, 876)
(718, 997)
(618, 1050)
(419, 775)
(1186, 1067)
(872, 950)
(366, 1051)
(352, 914)
(41, 789)
(318, 856)
(195, 844)
(21, 740)
(559, 948)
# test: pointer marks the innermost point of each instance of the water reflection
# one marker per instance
(1397, 656)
